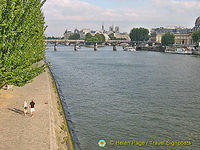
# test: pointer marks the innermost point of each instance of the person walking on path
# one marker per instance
(32, 104)
(25, 107)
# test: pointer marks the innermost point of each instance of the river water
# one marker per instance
(130, 96)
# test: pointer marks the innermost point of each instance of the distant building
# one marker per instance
(106, 37)
(156, 37)
(102, 28)
(180, 30)
(122, 36)
(111, 28)
(183, 36)
(92, 32)
(183, 39)
(197, 24)
(117, 29)
(67, 34)
(83, 32)
(76, 31)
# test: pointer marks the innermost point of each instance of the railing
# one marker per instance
(83, 41)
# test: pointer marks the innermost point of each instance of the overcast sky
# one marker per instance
(71, 14)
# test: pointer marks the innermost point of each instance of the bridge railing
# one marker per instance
(83, 41)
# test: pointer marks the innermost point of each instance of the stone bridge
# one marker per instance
(83, 42)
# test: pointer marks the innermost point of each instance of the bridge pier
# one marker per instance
(114, 47)
(67, 43)
(95, 47)
(75, 47)
(55, 46)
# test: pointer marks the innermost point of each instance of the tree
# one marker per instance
(168, 39)
(88, 35)
(21, 41)
(74, 36)
(196, 36)
(97, 38)
(139, 34)
(100, 37)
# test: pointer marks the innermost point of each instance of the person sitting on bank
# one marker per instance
(32, 104)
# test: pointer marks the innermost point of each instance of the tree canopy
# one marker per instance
(139, 34)
(21, 41)
(96, 38)
(100, 37)
(74, 36)
(88, 36)
(168, 39)
(196, 36)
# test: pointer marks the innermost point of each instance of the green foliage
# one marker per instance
(21, 41)
(74, 36)
(168, 39)
(139, 34)
(88, 36)
(97, 38)
(196, 36)
(100, 37)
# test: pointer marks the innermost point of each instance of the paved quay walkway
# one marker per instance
(19, 132)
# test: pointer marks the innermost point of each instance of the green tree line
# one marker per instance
(22, 44)
(96, 38)
(74, 36)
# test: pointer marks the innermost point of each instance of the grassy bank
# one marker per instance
(64, 127)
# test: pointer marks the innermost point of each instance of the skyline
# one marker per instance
(70, 14)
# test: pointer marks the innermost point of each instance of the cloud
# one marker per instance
(76, 10)
(78, 13)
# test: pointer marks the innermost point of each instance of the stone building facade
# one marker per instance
(183, 39)
(183, 36)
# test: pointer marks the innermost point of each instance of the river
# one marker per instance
(130, 96)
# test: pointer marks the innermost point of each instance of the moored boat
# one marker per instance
(179, 51)
(130, 49)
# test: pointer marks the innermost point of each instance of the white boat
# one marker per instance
(179, 51)
(130, 49)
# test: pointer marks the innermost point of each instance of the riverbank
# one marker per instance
(47, 129)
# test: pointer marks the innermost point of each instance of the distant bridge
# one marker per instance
(144, 45)
(69, 42)
(62, 41)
